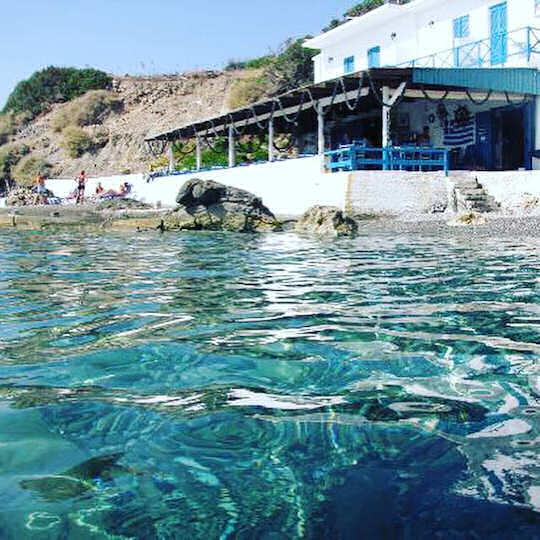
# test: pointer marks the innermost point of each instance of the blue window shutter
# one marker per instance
(461, 27)
(374, 57)
(348, 64)
(457, 28)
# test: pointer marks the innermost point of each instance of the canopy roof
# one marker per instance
(350, 89)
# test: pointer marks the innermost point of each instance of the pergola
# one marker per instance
(384, 87)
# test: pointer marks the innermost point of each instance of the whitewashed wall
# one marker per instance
(421, 28)
(396, 192)
(291, 187)
(286, 187)
(512, 189)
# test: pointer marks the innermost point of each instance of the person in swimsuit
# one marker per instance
(40, 189)
(81, 184)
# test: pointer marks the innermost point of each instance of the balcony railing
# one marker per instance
(506, 48)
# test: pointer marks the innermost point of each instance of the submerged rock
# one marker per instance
(326, 221)
(75, 481)
(470, 218)
(209, 205)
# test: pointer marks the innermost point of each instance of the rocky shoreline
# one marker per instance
(90, 217)
(211, 206)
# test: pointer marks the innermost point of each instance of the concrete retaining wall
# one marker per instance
(286, 187)
(396, 192)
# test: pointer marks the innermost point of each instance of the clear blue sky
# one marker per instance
(145, 36)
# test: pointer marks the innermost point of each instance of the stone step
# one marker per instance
(466, 183)
(472, 190)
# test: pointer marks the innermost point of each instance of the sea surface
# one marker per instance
(268, 386)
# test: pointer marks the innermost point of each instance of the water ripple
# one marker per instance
(262, 386)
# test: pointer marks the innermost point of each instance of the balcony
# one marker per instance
(517, 48)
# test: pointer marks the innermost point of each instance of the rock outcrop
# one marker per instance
(326, 221)
(209, 205)
(22, 196)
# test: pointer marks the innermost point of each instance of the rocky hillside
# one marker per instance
(147, 105)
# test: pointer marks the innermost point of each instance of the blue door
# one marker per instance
(499, 28)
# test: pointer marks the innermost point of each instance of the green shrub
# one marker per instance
(246, 91)
(363, 8)
(54, 85)
(26, 170)
(92, 108)
(8, 126)
(254, 63)
(10, 155)
(76, 141)
(292, 68)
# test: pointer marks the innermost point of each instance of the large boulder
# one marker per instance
(209, 205)
(326, 221)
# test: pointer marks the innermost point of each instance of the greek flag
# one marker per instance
(461, 134)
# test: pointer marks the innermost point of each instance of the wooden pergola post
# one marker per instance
(232, 151)
(320, 130)
(271, 140)
(198, 158)
(172, 164)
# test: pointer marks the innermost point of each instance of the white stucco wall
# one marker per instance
(286, 187)
(291, 187)
(512, 189)
(421, 28)
(396, 192)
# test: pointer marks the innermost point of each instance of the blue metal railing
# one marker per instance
(354, 157)
(520, 43)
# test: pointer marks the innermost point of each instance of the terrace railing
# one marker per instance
(354, 157)
(509, 48)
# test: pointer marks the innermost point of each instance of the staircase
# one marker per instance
(470, 196)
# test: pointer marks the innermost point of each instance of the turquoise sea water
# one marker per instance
(268, 387)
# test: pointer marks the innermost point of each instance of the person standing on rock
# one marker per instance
(40, 189)
(81, 184)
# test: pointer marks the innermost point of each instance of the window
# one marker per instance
(461, 27)
(348, 64)
(374, 57)
(537, 7)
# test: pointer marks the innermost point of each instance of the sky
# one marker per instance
(149, 36)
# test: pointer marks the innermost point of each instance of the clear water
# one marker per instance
(268, 387)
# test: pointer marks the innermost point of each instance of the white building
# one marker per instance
(432, 33)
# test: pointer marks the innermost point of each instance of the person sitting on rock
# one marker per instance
(99, 189)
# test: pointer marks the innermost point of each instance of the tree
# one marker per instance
(291, 68)
(54, 85)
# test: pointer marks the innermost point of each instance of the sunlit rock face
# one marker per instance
(209, 205)
(326, 221)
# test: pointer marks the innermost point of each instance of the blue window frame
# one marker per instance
(461, 27)
(374, 57)
(348, 64)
